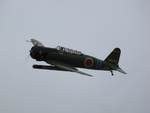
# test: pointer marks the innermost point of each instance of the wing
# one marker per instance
(67, 67)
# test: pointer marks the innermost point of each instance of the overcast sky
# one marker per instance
(94, 27)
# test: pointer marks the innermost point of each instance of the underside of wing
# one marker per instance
(66, 67)
(46, 67)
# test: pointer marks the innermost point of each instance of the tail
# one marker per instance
(114, 56)
(112, 61)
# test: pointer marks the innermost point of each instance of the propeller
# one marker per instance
(28, 54)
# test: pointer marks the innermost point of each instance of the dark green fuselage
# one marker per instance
(75, 60)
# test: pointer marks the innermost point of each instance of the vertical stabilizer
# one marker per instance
(114, 56)
(112, 61)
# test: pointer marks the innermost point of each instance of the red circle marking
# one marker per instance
(88, 62)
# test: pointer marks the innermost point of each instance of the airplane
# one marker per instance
(65, 59)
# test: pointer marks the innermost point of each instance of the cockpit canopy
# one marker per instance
(67, 50)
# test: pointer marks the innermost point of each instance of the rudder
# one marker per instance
(114, 56)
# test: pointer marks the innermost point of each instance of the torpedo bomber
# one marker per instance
(65, 59)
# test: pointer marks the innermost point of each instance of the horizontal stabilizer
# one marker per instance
(121, 71)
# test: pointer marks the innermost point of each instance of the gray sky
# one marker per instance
(95, 27)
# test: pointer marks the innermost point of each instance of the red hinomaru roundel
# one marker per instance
(88, 62)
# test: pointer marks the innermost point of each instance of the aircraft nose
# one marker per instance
(32, 53)
(37, 53)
